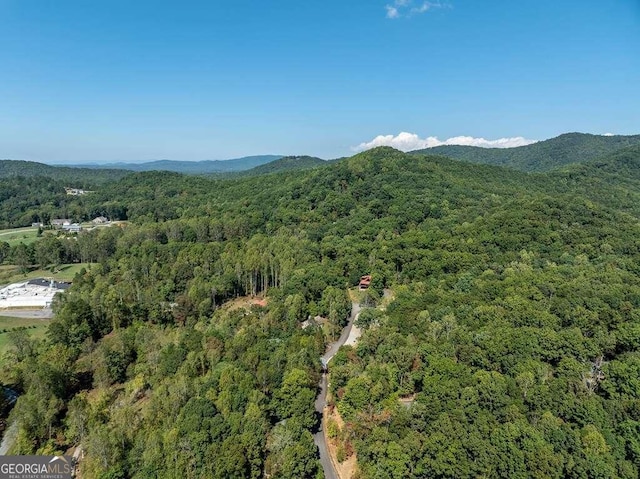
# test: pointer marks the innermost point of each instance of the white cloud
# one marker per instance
(425, 6)
(408, 8)
(609, 134)
(410, 141)
(392, 12)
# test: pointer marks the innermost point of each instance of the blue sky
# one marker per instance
(100, 81)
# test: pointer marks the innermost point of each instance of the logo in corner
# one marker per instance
(36, 467)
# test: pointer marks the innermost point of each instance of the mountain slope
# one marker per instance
(542, 156)
(613, 181)
(287, 163)
(620, 166)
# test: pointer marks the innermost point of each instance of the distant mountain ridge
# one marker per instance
(74, 175)
(542, 156)
(86, 175)
(555, 153)
(194, 167)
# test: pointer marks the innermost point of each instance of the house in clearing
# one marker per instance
(60, 222)
(365, 281)
(100, 220)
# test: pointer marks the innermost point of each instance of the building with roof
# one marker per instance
(35, 293)
(72, 228)
(365, 281)
(60, 222)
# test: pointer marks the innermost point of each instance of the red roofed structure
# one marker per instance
(365, 281)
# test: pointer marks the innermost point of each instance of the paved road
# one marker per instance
(9, 438)
(37, 313)
(321, 400)
(318, 437)
(333, 349)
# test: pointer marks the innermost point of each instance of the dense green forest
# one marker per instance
(515, 328)
(27, 200)
(541, 156)
(287, 163)
(74, 177)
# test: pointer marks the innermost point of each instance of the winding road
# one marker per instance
(321, 400)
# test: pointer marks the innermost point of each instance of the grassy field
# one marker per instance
(36, 328)
(11, 274)
(7, 322)
(19, 235)
(29, 234)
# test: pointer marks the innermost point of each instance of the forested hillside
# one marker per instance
(287, 163)
(75, 177)
(542, 156)
(514, 335)
(613, 180)
(25, 200)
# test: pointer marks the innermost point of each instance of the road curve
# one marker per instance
(321, 400)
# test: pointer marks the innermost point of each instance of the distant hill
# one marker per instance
(77, 177)
(194, 167)
(623, 164)
(542, 156)
(613, 180)
(287, 163)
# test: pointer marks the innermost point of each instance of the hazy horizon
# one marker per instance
(403, 141)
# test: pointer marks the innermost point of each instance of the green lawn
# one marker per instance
(66, 272)
(7, 322)
(36, 328)
(19, 235)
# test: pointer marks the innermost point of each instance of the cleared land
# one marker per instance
(36, 328)
(34, 320)
(27, 295)
(9, 322)
(19, 235)
(66, 272)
